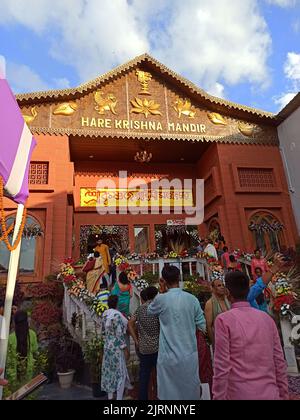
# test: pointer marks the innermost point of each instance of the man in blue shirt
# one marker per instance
(263, 281)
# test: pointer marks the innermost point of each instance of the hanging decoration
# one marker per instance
(265, 226)
(6, 232)
(118, 237)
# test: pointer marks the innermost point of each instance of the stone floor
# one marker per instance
(77, 392)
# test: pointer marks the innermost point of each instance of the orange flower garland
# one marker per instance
(6, 231)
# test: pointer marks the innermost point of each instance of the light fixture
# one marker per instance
(91, 157)
(143, 157)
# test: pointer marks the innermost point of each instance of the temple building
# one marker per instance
(154, 126)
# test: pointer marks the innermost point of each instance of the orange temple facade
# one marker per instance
(94, 131)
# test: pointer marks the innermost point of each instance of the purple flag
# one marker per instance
(16, 145)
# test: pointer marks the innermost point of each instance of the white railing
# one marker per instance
(195, 266)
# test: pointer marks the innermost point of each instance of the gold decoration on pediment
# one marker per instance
(216, 118)
(144, 78)
(30, 118)
(107, 103)
(246, 129)
(66, 109)
(184, 107)
(145, 107)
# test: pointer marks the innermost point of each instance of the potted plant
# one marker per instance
(93, 355)
(68, 359)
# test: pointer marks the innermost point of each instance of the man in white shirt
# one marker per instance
(210, 249)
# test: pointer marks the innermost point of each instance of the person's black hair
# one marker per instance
(96, 254)
(238, 285)
(232, 258)
(22, 332)
(171, 274)
(123, 279)
(225, 249)
(144, 295)
(112, 302)
(152, 292)
(1, 303)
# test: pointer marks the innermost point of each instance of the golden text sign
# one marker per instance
(144, 126)
(127, 197)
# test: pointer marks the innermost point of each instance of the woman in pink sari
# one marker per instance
(258, 262)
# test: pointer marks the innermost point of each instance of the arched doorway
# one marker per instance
(266, 232)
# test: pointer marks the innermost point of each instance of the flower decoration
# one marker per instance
(283, 293)
(98, 307)
(140, 284)
(173, 254)
(264, 226)
(285, 309)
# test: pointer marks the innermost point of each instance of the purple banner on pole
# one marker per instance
(16, 146)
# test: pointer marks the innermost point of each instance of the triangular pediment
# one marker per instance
(145, 98)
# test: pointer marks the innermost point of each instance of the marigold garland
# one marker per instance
(6, 231)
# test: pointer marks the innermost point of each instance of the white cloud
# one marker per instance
(2, 66)
(284, 99)
(292, 73)
(23, 79)
(210, 42)
(292, 66)
(283, 3)
(217, 90)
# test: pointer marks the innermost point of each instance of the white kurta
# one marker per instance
(180, 314)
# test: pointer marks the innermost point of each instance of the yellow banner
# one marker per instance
(92, 197)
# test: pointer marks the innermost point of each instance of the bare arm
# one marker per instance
(277, 266)
(209, 320)
(132, 329)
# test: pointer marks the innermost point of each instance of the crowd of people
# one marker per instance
(232, 344)
(173, 335)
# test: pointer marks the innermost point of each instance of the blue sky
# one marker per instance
(247, 51)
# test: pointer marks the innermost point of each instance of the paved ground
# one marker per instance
(77, 392)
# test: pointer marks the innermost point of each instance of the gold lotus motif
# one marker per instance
(30, 118)
(184, 107)
(67, 109)
(144, 79)
(145, 107)
(105, 104)
(246, 129)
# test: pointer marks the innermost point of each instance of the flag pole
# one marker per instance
(10, 289)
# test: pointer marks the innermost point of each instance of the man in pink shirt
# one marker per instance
(249, 362)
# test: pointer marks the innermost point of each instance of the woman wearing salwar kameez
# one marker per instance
(114, 376)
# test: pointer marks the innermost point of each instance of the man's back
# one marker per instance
(177, 367)
(179, 314)
(249, 362)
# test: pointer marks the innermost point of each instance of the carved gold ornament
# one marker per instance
(216, 118)
(105, 104)
(145, 107)
(30, 118)
(67, 109)
(144, 79)
(246, 129)
(184, 107)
